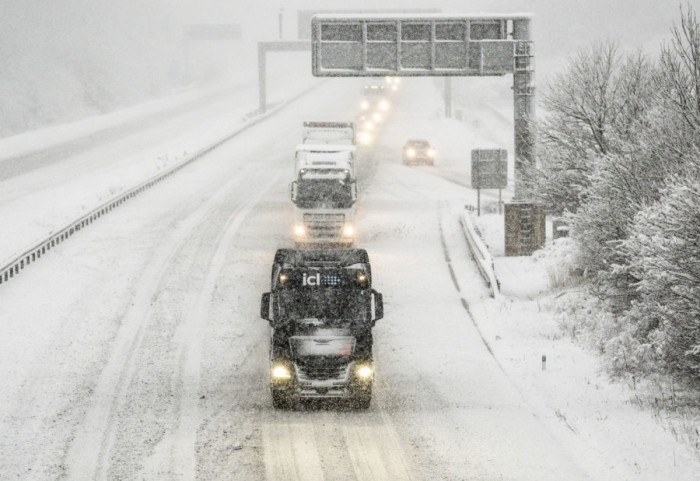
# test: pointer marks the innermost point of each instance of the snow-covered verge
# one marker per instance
(529, 334)
(620, 431)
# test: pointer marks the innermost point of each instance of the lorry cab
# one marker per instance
(321, 309)
(324, 194)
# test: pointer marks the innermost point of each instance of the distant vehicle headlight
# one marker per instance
(364, 105)
(364, 371)
(365, 138)
(348, 231)
(280, 371)
(377, 117)
(299, 230)
(394, 87)
(384, 105)
(431, 153)
(411, 152)
(369, 125)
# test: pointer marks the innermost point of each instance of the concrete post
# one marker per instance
(448, 97)
(262, 87)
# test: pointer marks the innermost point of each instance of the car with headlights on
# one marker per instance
(418, 151)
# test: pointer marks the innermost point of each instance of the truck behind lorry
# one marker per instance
(324, 132)
(324, 193)
(321, 308)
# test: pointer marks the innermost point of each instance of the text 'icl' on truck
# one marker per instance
(321, 308)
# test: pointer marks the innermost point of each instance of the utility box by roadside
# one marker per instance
(560, 229)
(524, 228)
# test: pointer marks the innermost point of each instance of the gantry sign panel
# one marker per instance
(413, 45)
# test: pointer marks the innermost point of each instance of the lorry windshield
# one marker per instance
(324, 193)
(333, 306)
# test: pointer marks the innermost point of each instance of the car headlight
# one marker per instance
(411, 152)
(431, 153)
(280, 372)
(364, 371)
(348, 231)
(299, 230)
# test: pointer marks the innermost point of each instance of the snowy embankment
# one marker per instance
(52, 176)
(625, 439)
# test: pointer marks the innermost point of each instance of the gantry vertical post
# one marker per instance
(262, 87)
(523, 104)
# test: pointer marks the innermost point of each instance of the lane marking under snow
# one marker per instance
(88, 455)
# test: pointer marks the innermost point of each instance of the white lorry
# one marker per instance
(325, 189)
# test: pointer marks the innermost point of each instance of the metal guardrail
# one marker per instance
(12, 267)
(481, 254)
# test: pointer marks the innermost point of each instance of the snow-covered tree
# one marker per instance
(664, 258)
(593, 109)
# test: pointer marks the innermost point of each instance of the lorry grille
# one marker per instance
(322, 373)
(324, 225)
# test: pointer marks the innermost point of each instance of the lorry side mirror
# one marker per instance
(378, 306)
(265, 307)
(293, 191)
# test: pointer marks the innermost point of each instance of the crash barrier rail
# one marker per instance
(15, 264)
(481, 254)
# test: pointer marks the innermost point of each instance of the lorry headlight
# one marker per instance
(411, 152)
(348, 231)
(365, 138)
(384, 105)
(280, 372)
(364, 371)
(431, 153)
(299, 230)
(364, 105)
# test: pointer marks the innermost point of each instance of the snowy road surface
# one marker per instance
(135, 350)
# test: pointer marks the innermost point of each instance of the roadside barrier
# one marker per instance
(480, 253)
(13, 266)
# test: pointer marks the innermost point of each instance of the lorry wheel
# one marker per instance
(279, 400)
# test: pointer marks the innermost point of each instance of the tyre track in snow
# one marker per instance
(88, 456)
(329, 445)
(184, 459)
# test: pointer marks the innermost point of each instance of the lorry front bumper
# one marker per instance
(342, 384)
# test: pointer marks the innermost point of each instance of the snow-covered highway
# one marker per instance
(135, 350)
